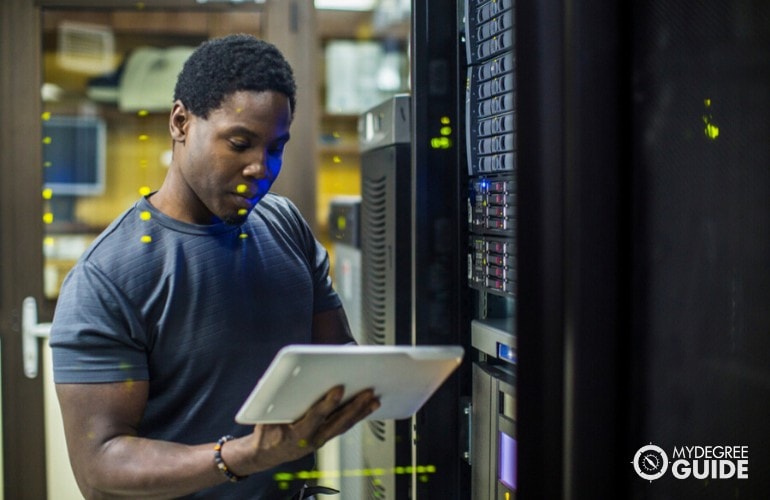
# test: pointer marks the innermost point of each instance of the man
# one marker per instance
(172, 315)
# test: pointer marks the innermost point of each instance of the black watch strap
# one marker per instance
(309, 491)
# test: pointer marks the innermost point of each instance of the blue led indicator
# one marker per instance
(506, 353)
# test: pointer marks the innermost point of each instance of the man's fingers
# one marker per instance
(346, 416)
(318, 413)
(327, 418)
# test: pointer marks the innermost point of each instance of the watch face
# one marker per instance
(650, 462)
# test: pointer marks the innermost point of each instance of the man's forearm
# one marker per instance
(132, 467)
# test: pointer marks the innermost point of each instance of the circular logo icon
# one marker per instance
(650, 462)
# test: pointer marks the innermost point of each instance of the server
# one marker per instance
(384, 139)
(490, 143)
(345, 233)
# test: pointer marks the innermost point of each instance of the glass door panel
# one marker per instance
(108, 78)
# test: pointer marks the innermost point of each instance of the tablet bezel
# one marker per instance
(404, 377)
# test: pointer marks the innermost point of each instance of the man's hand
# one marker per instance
(270, 445)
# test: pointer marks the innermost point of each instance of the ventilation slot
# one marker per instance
(378, 429)
(375, 489)
(86, 48)
(375, 257)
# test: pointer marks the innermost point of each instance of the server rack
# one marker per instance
(439, 277)
(490, 152)
(386, 242)
(617, 180)
(345, 232)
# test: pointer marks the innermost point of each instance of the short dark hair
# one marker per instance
(222, 66)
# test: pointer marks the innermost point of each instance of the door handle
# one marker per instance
(31, 331)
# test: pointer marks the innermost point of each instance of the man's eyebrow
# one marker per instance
(240, 129)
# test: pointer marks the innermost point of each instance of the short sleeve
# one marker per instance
(95, 336)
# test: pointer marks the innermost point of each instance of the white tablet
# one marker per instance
(404, 377)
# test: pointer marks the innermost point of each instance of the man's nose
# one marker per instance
(256, 167)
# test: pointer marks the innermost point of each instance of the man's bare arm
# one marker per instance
(331, 327)
(110, 461)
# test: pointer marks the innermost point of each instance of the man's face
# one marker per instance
(229, 161)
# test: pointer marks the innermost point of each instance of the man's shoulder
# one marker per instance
(129, 242)
(277, 202)
(277, 208)
(277, 215)
(126, 222)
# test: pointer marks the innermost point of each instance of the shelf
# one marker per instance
(329, 116)
(343, 148)
(344, 24)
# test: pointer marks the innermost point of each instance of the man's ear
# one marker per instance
(179, 121)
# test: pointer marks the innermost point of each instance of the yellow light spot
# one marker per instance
(445, 120)
(441, 143)
(243, 236)
(336, 135)
(707, 102)
(47, 164)
(336, 159)
(48, 218)
(47, 193)
(712, 131)
(242, 211)
(145, 190)
(144, 137)
(238, 110)
(446, 130)
(145, 215)
(47, 140)
(46, 116)
(146, 238)
(341, 223)
(241, 188)
(142, 112)
(49, 241)
(302, 443)
(374, 473)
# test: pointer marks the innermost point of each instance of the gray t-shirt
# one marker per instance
(197, 310)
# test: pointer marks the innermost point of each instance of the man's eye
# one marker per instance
(239, 144)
